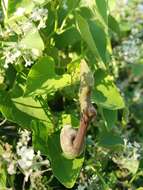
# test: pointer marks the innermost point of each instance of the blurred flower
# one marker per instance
(140, 8)
(20, 11)
(39, 15)
(129, 157)
(11, 168)
(26, 26)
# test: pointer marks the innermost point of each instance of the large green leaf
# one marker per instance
(42, 78)
(109, 139)
(33, 40)
(99, 38)
(23, 110)
(64, 169)
(102, 8)
(113, 24)
(110, 117)
(105, 93)
(68, 37)
(31, 107)
(93, 35)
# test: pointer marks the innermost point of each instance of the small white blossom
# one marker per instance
(27, 26)
(27, 174)
(41, 24)
(28, 63)
(20, 11)
(11, 168)
(24, 164)
(39, 15)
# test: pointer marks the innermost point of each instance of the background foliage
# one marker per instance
(41, 46)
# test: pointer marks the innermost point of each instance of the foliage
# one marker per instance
(42, 45)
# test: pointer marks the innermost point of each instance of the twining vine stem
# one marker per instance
(72, 141)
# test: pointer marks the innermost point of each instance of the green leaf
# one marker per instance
(109, 139)
(65, 170)
(93, 35)
(102, 9)
(70, 168)
(23, 110)
(111, 5)
(72, 4)
(113, 24)
(137, 69)
(33, 40)
(99, 38)
(68, 37)
(2, 173)
(105, 93)
(111, 117)
(3, 178)
(42, 78)
(31, 107)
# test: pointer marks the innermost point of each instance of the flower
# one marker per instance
(11, 168)
(27, 26)
(129, 157)
(20, 11)
(39, 15)
(24, 164)
(28, 63)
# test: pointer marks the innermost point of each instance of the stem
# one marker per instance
(3, 122)
(87, 110)
(81, 133)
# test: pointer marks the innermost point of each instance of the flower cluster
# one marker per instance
(130, 50)
(129, 157)
(9, 157)
(39, 15)
(13, 53)
(25, 158)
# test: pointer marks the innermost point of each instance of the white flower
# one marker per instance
(26, 153)
(5, 66)
(27, 26)
(28, 63)
(24, 164)
(38, 14)
(25, 136)
(20, 11)
(41, 24)
(29, 154)
(11, 168)
(27, 174)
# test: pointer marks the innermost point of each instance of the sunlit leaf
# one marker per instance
(105, 93)
(65, 170)
(42, 78)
